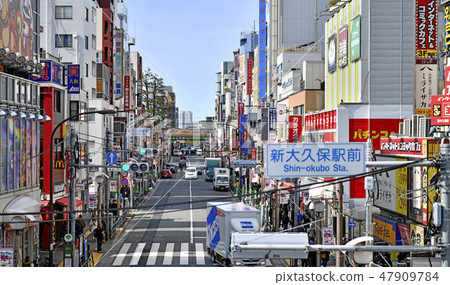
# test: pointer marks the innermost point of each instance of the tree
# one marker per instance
(154, 95)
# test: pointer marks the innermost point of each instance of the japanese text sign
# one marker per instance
(447, 29)
(426, 85)
(343, 46)
(73, 79)
(440, 110)
(314, 160)
(295, 128)
(243, 133)
(262, 51)
(272, 119)
(426, 29)
(126, 98)
(406, 146)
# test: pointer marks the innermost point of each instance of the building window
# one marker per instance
(299, 110)
(63, 41)
(91, 116)
(86, 69)
(94, 42)
(106, 27)
(94, 15)
(83, 109)
(86, 42)
(74, 109)
(94, 68)
(63, 12)
(58, 101)
(86, 14)
(3, 91)
(94, 92)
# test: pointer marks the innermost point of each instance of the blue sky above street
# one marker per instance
(184, 42)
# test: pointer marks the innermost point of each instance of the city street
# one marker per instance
(172, 235)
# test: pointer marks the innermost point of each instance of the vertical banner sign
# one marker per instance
(236, 67)
(249, 76)
(3, 155)
(242, 68)
(426, 86)
(272, 119)
(239, 93)
(73, 79)
(295, 128)
(447, 29)
(426, 31)
(262, 51)
(343, 46)
(355, 39)
(243, 133)
(139, 94)
(332, 53)
(447, 79)
(126, 93)
(118, 62)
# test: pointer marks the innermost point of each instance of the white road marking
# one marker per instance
(168, 255)
(121, 255)
(199, 254)
(190, 212)
(137, 254)
(153, 254)
(184, 254)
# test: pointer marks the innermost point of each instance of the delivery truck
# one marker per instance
(223, 219)
(210, 164)
(221, 179)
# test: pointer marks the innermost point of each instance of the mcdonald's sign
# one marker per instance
(59, 164)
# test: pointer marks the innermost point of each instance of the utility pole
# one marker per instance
(444, 180)
(107, 186)
(339, 224)
(73, 142)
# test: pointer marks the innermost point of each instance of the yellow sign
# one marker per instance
(59, 164)
(425, 112)
(401, 184)
(417, 234)
(384, 230)
(426, 53)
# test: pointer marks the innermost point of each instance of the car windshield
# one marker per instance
(210, 169)
(190, 170)
(222, 179)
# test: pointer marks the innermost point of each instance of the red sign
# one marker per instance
(253, 153)
(126, 93)
(440, 110)
(295, 128)
(249, 76)
(359, 132)
(321, 121)
(447, 80)
(426, 29)
(406, 146)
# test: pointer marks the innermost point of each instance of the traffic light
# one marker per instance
(139, 167)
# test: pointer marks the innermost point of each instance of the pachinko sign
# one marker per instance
(405, 146)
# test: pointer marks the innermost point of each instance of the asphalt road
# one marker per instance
(171, 228)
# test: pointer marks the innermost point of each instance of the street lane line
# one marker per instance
(137, 254)
(190, 212)
(199, 254)
(184, 254)
(153, 254)
(168, 255)
(121, 255)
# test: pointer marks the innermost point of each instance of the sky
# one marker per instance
(185, 41)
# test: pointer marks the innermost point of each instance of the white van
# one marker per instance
(199, 152)
(176, 152)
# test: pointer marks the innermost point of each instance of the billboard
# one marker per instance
(51, 72)
(262, 52)
(332, 53)
(295, 128)
(249, 76)
(355, 39)
(440, 110)
(118, 64)
(343, 46)
(73, 79)
(403, 146)
(16, 27)
(426, 30)
(126, 93)
(426, 86)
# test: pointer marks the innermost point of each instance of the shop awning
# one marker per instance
(22, 206)
(65, 202)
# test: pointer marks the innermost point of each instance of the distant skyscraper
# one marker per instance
(185, 119)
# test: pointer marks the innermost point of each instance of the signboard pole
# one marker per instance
(369, 200)
(339, 224)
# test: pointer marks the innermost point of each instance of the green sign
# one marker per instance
(67, 251)
(355, 39)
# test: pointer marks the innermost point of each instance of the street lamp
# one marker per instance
(103, 112)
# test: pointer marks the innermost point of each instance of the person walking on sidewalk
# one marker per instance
(99, 235)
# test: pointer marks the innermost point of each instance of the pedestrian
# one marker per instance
(99, 235)
(114, 207)
(46, 262)
(34, 264)
(105, 230)
(82, 222)
(78, 229)
(284, 217)
(26, 262)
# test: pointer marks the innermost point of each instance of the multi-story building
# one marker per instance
(20, 132)
(184, 119)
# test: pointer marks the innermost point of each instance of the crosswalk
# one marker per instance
(158, 254)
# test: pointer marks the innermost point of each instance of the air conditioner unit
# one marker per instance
(424, 127)
(407, 127)
(415, 125)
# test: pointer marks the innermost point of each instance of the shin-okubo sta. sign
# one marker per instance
(314, 160)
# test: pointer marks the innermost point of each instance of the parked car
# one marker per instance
(191, 173)
(166, 173)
